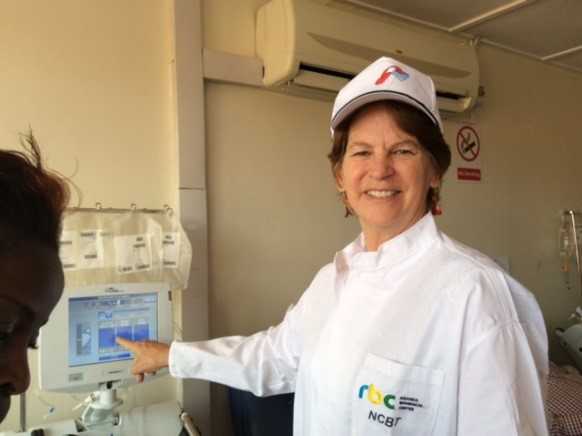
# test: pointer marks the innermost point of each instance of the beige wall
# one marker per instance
(274, 219)
(94, 80)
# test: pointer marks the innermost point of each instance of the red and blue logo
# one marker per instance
(395, 71)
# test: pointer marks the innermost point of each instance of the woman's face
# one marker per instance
(31, 283)
(386, 175)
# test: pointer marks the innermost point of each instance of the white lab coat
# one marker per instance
(423, 337)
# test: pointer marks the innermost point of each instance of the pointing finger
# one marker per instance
(130, 345)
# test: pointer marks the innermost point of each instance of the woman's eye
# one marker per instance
(404, 151)
(361, 153)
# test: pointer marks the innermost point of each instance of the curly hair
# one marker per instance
(32, 198)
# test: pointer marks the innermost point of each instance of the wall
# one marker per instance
(274, 218)
(94, 81)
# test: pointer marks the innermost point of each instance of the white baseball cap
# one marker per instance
(387, 79)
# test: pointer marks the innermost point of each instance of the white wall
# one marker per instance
(274, 218)
(94, 80)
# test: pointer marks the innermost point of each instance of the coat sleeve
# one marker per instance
(501, 390)
(264, 363)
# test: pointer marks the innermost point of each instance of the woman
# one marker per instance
(32, 201)
(406, 332)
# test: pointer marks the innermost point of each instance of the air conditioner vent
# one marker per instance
(313, 46)
(326, 71)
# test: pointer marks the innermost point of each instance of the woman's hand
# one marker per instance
(150, 356)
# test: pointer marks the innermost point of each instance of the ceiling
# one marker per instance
(548, 30)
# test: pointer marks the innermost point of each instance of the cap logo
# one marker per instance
(393, 70)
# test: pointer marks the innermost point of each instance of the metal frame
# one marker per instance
(132, 208)
(572, 215)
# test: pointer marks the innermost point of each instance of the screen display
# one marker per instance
(95, 322)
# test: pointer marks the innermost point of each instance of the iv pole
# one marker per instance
(576, 247)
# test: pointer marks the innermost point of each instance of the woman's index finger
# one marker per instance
(130, 345)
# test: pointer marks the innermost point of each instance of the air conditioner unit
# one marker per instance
(314, 48)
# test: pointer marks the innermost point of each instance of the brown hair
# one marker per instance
(32, 199)
(410, 120)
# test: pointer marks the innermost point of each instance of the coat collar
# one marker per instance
(354, 256)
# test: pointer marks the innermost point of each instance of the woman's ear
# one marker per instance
(435, 178)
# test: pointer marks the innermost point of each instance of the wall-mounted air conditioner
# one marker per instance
(314, 48)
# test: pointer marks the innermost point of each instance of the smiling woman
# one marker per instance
(32, 201)
(406, 331)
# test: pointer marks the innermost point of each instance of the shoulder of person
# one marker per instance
(323, 281)
(488, 294)
(478, 277)
(464, 257)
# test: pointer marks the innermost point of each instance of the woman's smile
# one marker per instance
(382, 194)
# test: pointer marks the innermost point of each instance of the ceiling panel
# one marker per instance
(539, 28)
(542, 28)
(447, 13)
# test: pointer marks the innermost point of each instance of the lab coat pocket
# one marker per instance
(390, 398)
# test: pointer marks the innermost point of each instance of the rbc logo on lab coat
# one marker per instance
(375, 396)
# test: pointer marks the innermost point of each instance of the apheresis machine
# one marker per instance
(119, 265)
(78, 354)
(78, 351)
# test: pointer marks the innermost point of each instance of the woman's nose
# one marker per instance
(14, 372)
(381, 167)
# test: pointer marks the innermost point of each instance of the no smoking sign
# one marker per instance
(468, 144)
(468, 149)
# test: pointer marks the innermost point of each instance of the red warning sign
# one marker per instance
(473, 174)
(468, 144)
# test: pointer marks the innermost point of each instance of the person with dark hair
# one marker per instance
(407, 332)
(32, 202)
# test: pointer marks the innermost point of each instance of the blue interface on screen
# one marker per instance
(95, 322)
